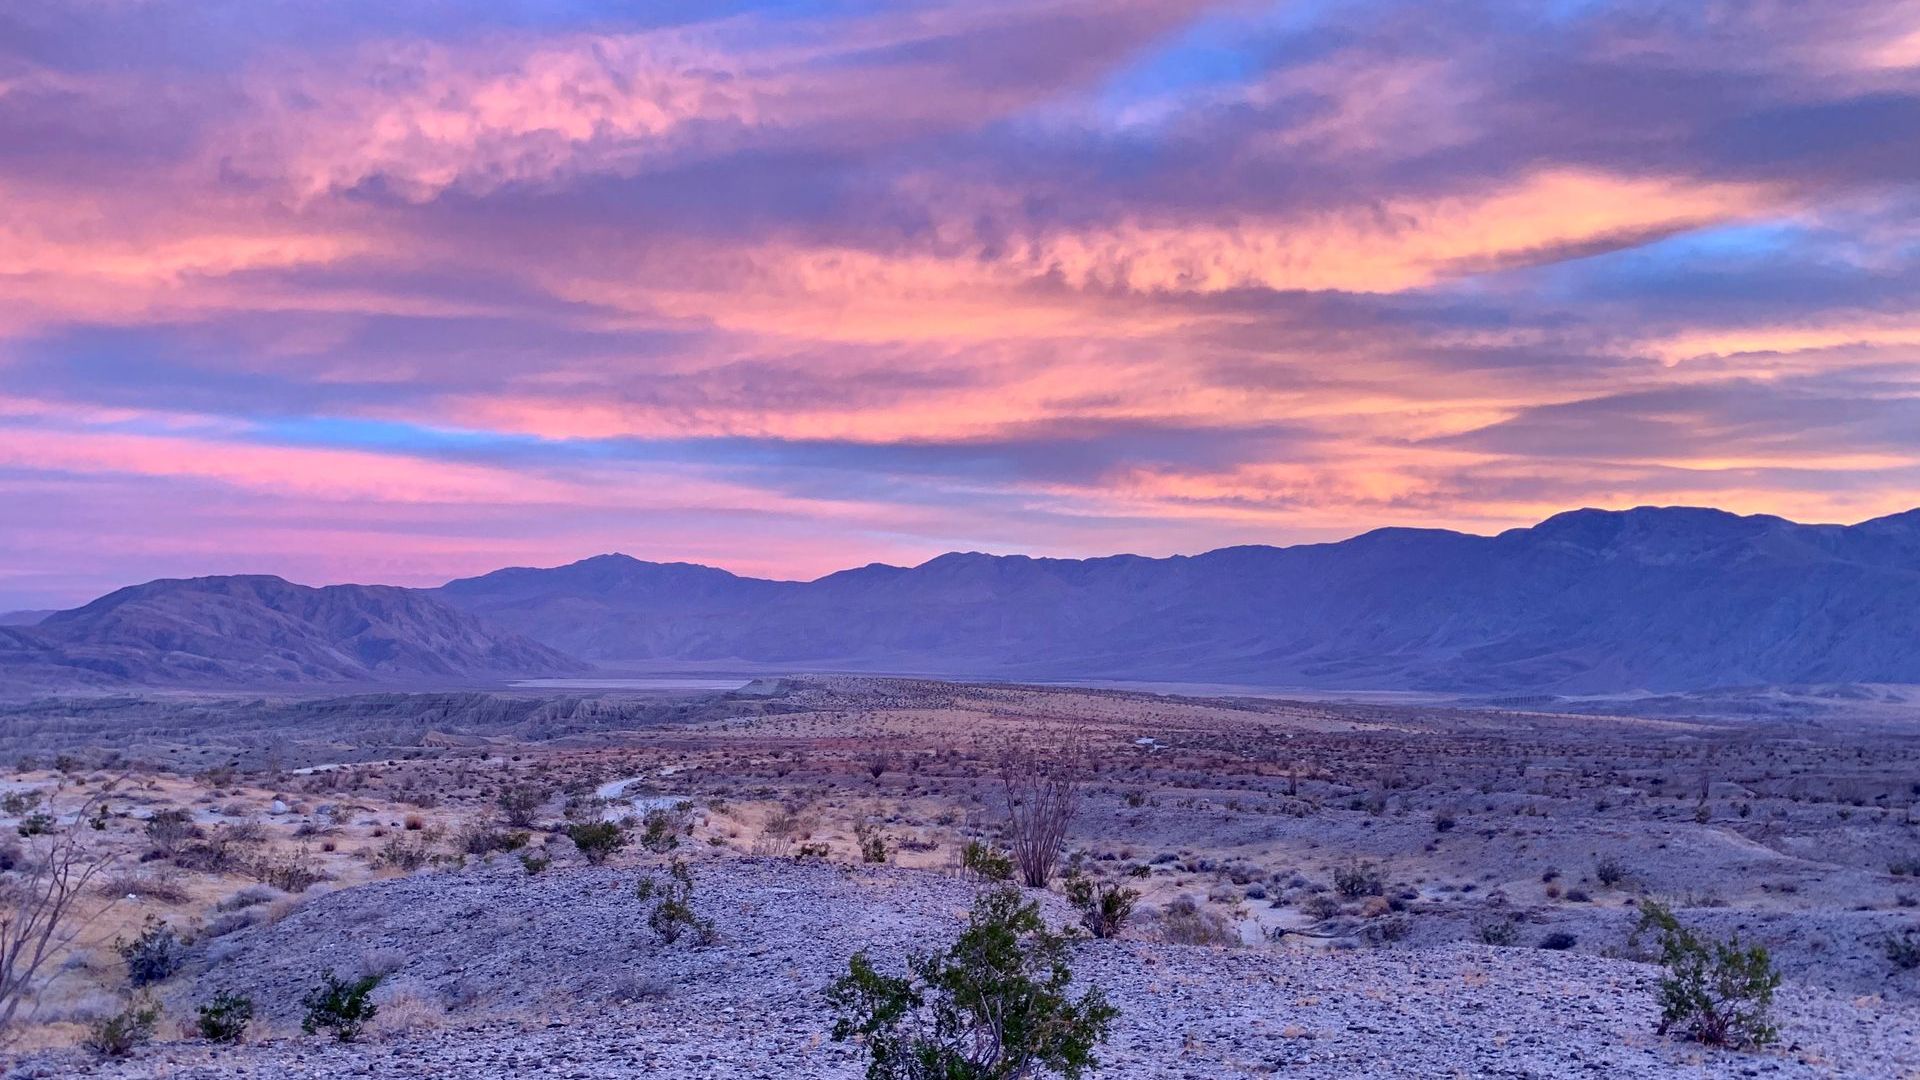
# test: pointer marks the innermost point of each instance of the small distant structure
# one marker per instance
(1148, 743)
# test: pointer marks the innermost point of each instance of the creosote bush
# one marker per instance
(118, 1035)
(1714, 991)
(1104, 906)
(154, 955)
(673, 914)
(984, 862)
(1357, 879)
(225, 1018)
(520, 804)
(340, 1006)
(873, 843)
(597, 840)
(660, 831)
(993, 1006)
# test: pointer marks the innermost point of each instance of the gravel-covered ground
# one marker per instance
(557, 975)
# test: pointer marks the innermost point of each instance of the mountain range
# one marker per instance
(1588, 601)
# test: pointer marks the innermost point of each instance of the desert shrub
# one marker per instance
(120, 1034)
(1104, 906)
(225, 1018)
(660, 831)
(406, 854)
(1358, 879)
(781, 831)
(984, 862)
(1320, 906)
(36, 823)
(1903, 949)
(673, 914)
(1382, 931)
(17, 803)
(1444, 821)
(812, 851)
(1502, 932)
(1185, 922)
(484, 840)
(340, 1006)
(994, 1006)
(1714, 991)
(153, 955)
(873, 843)
(534, 864)
(289, 871)
(597, 840)
(520, 803)
(1609, 871)
(148, 886)
(1559, 941)
(250, 896)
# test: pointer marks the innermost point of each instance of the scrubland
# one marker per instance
(1314, 888)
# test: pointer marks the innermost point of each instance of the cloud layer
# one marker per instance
(397, 292)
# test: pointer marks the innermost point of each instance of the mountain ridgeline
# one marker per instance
(1586, 602)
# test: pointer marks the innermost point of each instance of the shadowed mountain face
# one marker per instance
(1587, 601)
(262, 631)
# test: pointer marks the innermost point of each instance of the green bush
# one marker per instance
(520, 804)
(118, 1035)
(994, 1006)
(661, 832)
(597, 840)
(1104, 906)
(673, 913)
(225, 1018)
(984, 862)
(154, 955)
(1714, 991)
(340, 1006)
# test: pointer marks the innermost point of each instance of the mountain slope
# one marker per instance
(1587, 601)
(264, 630)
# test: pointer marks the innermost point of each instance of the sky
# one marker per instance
(399, 291)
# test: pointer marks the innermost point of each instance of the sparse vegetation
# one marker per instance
(1042, 796)
(341, 1007)
(871, 841)
(984, 862)
(1903, 949)
(672, 914)
(1714, 991)
(152, 956)
(123, 1032)
(1104, 906)
(597, 841)
(225, 1018)
(994, 1006)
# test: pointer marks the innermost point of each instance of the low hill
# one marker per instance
(258, 630)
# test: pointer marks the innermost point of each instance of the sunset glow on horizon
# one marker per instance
(405, 291)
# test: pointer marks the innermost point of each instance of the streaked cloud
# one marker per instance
(398, 292)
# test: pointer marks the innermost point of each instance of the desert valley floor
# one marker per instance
(1327, 890)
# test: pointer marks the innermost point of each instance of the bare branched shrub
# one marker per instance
(1042, 796)
(40, 908)
(782, 830)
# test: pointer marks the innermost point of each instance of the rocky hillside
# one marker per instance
(492, 973)
(1587, 601)
(257, 630)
